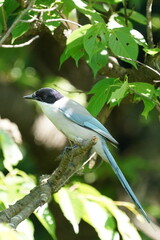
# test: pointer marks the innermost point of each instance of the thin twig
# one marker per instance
(149, 23)
(62, 20)
(21, 44)
(6, 35)
(144, 96)
(45, 9)
(145, 65)
(34, 18)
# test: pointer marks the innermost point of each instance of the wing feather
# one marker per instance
(89, 122)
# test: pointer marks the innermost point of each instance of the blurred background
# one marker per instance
(24, 70)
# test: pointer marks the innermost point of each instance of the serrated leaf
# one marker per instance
(46, 218)
(122, 44)
(19, 30)
(98, 60)
(70, 206)
(102, 91)
(95, 39)
(118, 94)
(143, 91)
(12, 154)
(74, 45)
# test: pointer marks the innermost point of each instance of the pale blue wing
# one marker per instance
(89, 122)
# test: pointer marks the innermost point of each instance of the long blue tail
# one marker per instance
(124, 181)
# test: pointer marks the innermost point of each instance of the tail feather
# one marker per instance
(124, 182)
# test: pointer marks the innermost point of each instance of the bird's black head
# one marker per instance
(47, 95)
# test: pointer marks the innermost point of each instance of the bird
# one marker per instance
(78, 125)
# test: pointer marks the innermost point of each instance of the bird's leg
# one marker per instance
(69, 148)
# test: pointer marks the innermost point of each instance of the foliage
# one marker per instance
(94, 42)
(78, 202)
(109, 31)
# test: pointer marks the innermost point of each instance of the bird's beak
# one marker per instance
(28, 96)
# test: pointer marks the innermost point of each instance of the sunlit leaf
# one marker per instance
(122, 44)
(139, 38)
(70, 205)
(27, 228)
(11, 152)
(102, 91)
(125, 227)
(88, 11)
(98, 61)
(152, 51)
(95, 39)
(74, 46)
(143, 91)
(118, 94)
(97, 216)
(46, 218)
(8, 233)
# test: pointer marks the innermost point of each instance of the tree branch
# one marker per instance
(71, 162)
(149, 23)
(21, 44)
(63, 20)
(6, 35)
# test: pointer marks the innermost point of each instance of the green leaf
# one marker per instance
(102, 91)
(88, 11)
(148, 106)
(70, 206)
(126, 229)
(118, 94)
(19, 30)
(97, 216)
(51, 25)
(46, 218)
(95, 39)
(10, 6)
(152, 51)
(122, 44)
(68, 7)
(145, 92)
(139, 38)
(98, 60)
(12, 154)
(136, 16)
(74, 44)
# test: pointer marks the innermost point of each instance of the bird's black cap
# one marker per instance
(47, 95)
